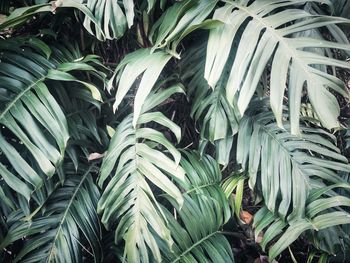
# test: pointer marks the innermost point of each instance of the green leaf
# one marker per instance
(128, 200)
(31, 113)
(68, 216)
(64, 76)
(323, 204)
(179, 20)
(106, 19)
(134, 64)
(216, 118)
(289, 236)
(21, 15)
(204, 177)
(269, 35)
(286, 162)
(199, 237)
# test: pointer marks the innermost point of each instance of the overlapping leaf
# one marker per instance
(296, 175)
(267, 35)
(32, 117)
(234, 182)
(323, 216)
(23, 14)
(56, 231)
(284, 166)
(198, 238)
(110, 18)
(179, 20)
(203, 176)
(217, 119)
(134, 64)
(83, 112)
(134, 158)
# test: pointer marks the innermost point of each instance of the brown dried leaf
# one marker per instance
(95, 156)
(246, 217)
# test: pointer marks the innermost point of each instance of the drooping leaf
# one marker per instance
(108, 16)
(179, 20)
(269, 35)
(203, 176)
(56, 232)
(216, 118)
(31, 115)
(198, 239)
(128, 202)
(139, 62)
(283, 166)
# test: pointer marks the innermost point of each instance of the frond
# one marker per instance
(31, 115)
(83, 113)
(110, 17)
(134, 158)
(261, 80)
(196, 233)
(142, 61)
(203, 176)
(284, 167)
(179, 20)
(234, 182)
(217, 119)
(267, 34)
(21, 15)
(55, 232)
(322, 222)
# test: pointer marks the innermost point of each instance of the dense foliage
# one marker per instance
(174, 131)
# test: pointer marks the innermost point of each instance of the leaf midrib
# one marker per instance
(59, 228)
(201, 187)
(19, 96)
(274, 32)
(194, 245)
(266, 130)
(294, 162)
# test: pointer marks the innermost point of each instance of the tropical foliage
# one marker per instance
(154, 131)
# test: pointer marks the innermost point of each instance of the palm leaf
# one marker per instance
(179, 20)
(21, 15)
(195, 227)
(128, 199)
(83, 113)
(31, 113)
(289, 165)
(234, 182)
(198, 238)
(102, 18)
(323, 217)
(203, 176)
(56, 231)
(339, 32)
(217, 119)
(269, 35)
(134, 64)
(110, 18)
